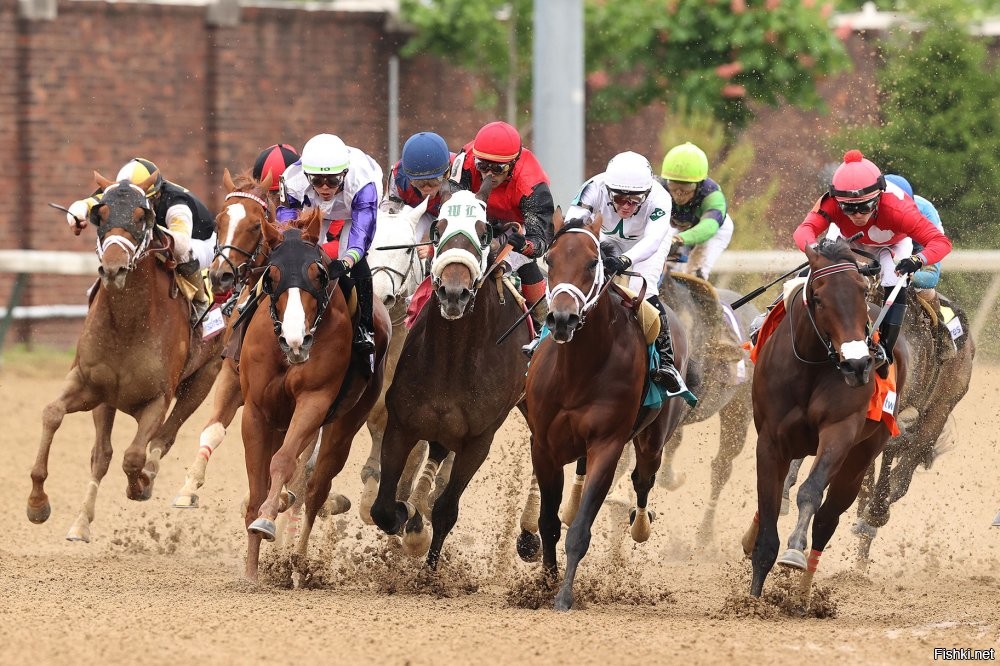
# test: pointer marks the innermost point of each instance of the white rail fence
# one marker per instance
(764, 263)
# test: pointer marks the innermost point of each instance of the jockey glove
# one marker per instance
(615, 265)
(338, 268)
(909, 265)
(521, 244)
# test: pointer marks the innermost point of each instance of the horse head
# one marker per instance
(239, 227)
(462, 237)
(396, 272)
(125, 222)
(298, 282)
(576, 274)
(835, 299)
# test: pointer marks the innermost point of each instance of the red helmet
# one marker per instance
(274, 160)
(857, 179)
(497, 142)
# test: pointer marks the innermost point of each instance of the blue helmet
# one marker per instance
(425, 155)
(900, 182)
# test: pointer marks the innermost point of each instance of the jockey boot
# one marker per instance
(888, 334)
(667, 376)
(364, 335)
(190, 271)
(947, 349)
(538, 315)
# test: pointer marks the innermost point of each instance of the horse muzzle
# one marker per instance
(453, 300)
(857, 371)
(562, 324)
(113, 276)
(297, 354)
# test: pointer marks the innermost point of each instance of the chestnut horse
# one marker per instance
(584, 395)
(298, 372)
(811, 392)
(453, 386)
(136, 354)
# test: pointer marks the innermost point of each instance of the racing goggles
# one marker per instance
(333, 180)
(421, 183)
(859, 207)
(620, 198)
(486, 166)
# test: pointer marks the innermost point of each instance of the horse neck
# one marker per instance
(133, 307)
(592, 342)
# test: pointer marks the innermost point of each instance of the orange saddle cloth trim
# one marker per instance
(881, 407)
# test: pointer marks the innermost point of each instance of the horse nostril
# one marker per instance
(573, 321)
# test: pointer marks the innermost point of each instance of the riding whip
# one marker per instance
(519, 320)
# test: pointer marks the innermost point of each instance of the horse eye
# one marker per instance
(592, 265)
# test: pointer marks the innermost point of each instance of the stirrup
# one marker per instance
(529, 348)
(363, 341)
(669, 379)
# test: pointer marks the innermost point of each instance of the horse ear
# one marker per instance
(595, 225)
(266, 183)
(557, 219)
(487, 188)
(272, 237)
(227, 181)
(101, 181)
(310, 233)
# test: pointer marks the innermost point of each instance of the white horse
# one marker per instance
(396, 274)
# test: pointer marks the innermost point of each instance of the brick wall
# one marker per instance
(105, 82)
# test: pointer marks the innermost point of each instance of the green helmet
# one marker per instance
(686, 163)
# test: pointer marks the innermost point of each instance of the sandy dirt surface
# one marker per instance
(161, 585)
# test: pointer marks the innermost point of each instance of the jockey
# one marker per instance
(274, 160)
(926, 279)
(345, 184)
(635, 234)
(422, 172)
(699, 210)
(520, 195)
(179, 212)
(859, 200)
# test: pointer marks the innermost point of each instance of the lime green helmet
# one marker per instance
(686, 163)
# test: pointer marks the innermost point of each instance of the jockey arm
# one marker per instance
(538, 208)
(810, 229)
(712, 216)
(364, 208)
(652, 238)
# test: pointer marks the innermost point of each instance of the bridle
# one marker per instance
(584, 301)
(242, 272)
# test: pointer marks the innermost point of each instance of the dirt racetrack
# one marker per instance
(159, 585)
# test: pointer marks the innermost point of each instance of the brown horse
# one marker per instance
(298, 373)
(584, 396)
(137, 352)
(811, 392)
(453, 385)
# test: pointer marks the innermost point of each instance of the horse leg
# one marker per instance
(602, 456)
(388, 513)
(287, 524)
(647, 461)
(876, 512)
(191, 392)
(568, 512)
(257, 443)
(550, 487)
(100, 460)
(790, 479)
(528, 541)
(150, 418)
(370, 470)
(865, 532)
(733, 421)
(468, 460)
(771, 469)
(420, 498)
(75, 397)
(228, 399)
(443, 476)
(669, 479)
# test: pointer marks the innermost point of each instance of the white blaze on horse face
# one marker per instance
(293, 321)
(237, 213)
(854, 350)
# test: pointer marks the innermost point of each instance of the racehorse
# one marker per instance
(584, 396)
(812, 390)
(137, 352)
(453, 384)
(396, 274)
(298, 373)
(934, 387)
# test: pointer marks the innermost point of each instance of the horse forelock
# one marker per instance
(578, 223)
(837, 250)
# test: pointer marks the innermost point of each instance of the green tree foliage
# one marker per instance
(941, 125)
(720, 56)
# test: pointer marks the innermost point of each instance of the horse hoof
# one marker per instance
(185, 502)
(793, 558)
(264, 527)
(640, 529)
(996, 521)
(337, 504)
(528, 546)
(416, 543)
(40, 514)
(564, 601)
(863, 529)
(80, 531)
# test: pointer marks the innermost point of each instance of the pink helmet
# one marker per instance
(857, 179)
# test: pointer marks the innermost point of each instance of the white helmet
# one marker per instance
(629, 172)
(325, 153)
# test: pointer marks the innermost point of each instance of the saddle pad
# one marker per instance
(649, 318)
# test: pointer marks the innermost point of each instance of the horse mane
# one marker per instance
(577, 223)
(837, 250)
(244, 182)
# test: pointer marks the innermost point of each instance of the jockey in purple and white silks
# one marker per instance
(346, 184)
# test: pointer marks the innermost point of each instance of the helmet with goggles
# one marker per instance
(137, 171)
(628, 172)
(856, 180)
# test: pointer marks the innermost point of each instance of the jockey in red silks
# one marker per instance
(521, 194)
(422, 172)
(859, 199)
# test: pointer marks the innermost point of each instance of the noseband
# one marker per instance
(583, 301)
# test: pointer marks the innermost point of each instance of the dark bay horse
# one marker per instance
(812, 389)
(136, 354)
(933, 389)
(453, 385)
(297, 373)
(584, 397)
